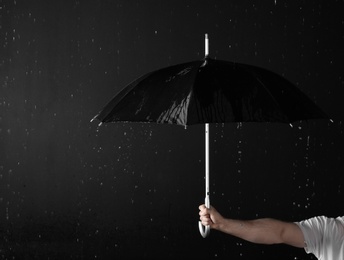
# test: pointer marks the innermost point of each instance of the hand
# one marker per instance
(210, 216)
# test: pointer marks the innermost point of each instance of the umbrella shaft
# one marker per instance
(207, 161)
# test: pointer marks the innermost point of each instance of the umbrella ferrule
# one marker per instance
(206, 45)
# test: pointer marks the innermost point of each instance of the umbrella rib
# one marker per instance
(267, 91)
(175, 113)
(222, 117)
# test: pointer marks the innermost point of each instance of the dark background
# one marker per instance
(72, 190)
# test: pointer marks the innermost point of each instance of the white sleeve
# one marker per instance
(324, 237)
(313, 230)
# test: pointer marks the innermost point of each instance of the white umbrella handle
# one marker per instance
(204, 230)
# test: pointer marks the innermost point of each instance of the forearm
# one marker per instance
(261, 231)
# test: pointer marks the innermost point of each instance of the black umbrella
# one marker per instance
(210, 91)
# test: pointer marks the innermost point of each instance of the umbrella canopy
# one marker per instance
(210, 91)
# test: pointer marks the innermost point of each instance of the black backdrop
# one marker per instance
(72, 190)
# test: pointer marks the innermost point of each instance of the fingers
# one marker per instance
(206, 220)
(204, 215)
(203, 210)
(202, 206)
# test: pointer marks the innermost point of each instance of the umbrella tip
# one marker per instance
(206, 45)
